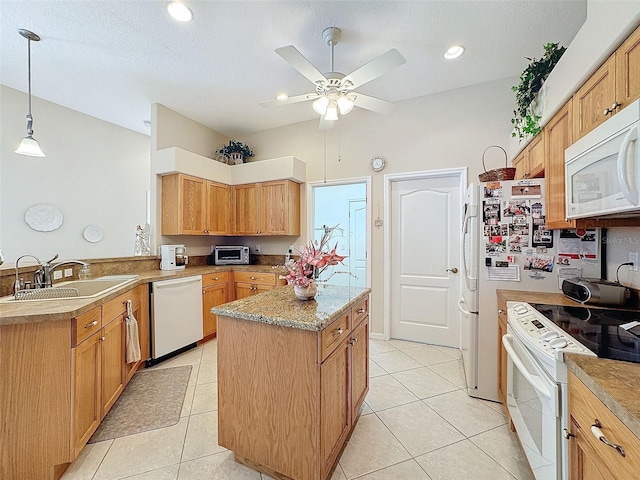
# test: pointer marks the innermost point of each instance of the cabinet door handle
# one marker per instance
(360, 310)
(595, 429)
(353, 341)
(217, 278)
(501, 312)
(337, 332)
(253, 278)
(612, 108)
(92, 324)
(102, 339)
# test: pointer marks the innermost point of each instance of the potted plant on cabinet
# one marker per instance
(234, 153)
(526, 120)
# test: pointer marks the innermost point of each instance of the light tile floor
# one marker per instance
(418, 423)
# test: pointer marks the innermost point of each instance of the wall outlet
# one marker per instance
(633, 258)
(68, 272)
(257, 248)
(290, 249)
(57, 275)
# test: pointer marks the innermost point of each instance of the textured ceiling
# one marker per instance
(112, 59)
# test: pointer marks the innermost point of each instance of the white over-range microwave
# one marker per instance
(602, 169)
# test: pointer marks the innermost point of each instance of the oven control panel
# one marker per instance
(537, 331)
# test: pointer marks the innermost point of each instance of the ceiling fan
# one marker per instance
(334, 91)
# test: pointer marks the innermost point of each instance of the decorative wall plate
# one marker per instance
(93, 233)
(43, 217)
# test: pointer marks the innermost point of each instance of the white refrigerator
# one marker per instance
(506, 246)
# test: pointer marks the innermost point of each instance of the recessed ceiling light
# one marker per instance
(282, 96)
(180, 11)
(454, 52)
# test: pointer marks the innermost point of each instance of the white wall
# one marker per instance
(94, 173)
(449, 129)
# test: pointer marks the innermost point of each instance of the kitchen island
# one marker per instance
(292, 376)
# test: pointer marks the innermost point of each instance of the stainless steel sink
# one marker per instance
(74, 289)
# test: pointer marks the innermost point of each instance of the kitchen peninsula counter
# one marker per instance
(65, 308)
(292, 376)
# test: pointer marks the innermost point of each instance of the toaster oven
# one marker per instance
(231, 255)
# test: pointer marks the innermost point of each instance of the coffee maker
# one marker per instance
(173, 257)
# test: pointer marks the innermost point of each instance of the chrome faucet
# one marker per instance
(19, 283)
(42, 278)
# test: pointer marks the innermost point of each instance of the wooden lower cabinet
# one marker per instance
(215, 291)
(253, 283)
(359, 363)
(335, 405)
(289, 398)
(112, 362)
(590, 458)
(86, 395)
(58, 380)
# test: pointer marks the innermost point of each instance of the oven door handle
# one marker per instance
(533, 379)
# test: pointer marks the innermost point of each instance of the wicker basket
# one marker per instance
(506, 173)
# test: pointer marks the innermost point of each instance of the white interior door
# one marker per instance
(425, 253)
(358, 241)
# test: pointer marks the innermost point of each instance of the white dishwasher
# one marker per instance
(176, 315)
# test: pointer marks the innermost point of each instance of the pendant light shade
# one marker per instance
(28, 145)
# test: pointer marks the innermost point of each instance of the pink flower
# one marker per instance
(314, 259)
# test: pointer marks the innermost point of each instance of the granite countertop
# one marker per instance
(67, 308)
(614, 382)
(281, 307)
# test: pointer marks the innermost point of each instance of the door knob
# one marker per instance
(452, 270)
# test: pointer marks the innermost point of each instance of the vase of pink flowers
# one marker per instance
(314, 259)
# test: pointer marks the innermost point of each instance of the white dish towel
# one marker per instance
(132, 340)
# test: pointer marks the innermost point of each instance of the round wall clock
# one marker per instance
(377, 164)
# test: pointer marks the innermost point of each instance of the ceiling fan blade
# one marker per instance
(288, 100)
(300, 63)
(325, 124)
(375, 68)
(374, 104)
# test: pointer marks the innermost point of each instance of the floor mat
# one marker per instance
(152, 399)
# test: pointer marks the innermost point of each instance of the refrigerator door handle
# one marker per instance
(462, 306)
(471, 281)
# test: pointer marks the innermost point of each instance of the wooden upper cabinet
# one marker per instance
(268, 208)
(591, 100)
(183, 205)
(280, 208)
(558, 133)
(530, 162)
(628, 70)
(245, 209)
(218, 209)
(521, 164)
(194, 206)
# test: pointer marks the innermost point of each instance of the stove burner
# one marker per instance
(597, 329)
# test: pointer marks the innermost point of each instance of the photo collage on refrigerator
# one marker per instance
(514, 226)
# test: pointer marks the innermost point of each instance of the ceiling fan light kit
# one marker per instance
(29, 146)
(334, 91)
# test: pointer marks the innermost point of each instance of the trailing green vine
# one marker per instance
(525, 121)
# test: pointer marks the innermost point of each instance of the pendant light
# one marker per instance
(29, 146)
